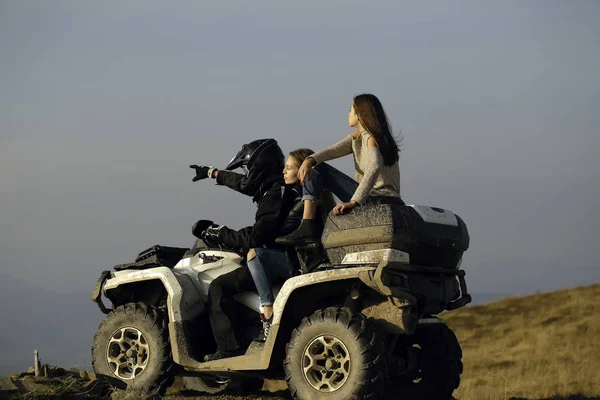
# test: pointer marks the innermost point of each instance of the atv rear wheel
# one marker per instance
(131, 347)
(335, 354)
(438, 362)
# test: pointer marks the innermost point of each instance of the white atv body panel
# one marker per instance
(206, 271)
(376, 256)
(186, 284)
(435, 215)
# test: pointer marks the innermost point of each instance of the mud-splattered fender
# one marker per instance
(313, 278)
(183, 299)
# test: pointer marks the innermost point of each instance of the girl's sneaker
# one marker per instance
(266, 323)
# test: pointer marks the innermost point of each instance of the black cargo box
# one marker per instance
(155, 256)
(432, 237)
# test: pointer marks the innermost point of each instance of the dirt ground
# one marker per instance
(40, 388)
(258, 396)
(391, 394)
(272, 390)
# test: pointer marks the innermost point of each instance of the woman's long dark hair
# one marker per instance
(374, 120)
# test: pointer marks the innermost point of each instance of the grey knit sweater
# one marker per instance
(374, 178)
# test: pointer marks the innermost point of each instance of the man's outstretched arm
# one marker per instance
(227, 178)
(230, 179)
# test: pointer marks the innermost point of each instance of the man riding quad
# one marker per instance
(262, 161)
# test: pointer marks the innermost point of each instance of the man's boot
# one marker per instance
(307, 232)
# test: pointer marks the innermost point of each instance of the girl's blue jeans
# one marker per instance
(267, 266)
(324, 176)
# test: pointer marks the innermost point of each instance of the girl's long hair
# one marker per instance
(326, 202)
(374, 120)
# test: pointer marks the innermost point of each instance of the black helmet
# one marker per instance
(262, 161)
(259, 154)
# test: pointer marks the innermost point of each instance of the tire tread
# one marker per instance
(373, 367)
(144, 312)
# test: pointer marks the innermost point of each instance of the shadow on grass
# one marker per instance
(572, 397)
(233, 395)
(285, 395)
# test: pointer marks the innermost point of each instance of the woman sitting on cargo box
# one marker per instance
(377, 175)
(268, 264)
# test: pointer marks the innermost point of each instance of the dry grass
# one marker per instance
(134, 394)
(56, 388)
(542, 346)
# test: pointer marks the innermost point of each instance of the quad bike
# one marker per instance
(360, 314)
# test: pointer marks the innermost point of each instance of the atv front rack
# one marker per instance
(155, 256)
(99, 289)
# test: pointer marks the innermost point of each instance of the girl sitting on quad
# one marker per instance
(377, 175)
(267, 264)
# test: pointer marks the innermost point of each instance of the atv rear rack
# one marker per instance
(400, 269)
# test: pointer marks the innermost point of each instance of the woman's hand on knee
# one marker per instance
(305, 169)
(251, 254)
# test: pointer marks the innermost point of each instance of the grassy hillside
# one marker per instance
(535, 347)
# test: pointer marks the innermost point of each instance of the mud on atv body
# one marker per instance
(340, 332)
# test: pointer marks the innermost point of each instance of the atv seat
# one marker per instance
(251, 300)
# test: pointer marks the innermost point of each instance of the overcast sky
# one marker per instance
(103, 105)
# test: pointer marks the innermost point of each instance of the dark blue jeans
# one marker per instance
(324, 176)
(265, 267)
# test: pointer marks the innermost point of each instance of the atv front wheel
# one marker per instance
(438, 365)
(335, 354)
(131, 347)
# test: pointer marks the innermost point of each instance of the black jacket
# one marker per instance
(292, 209)
(273, 217)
